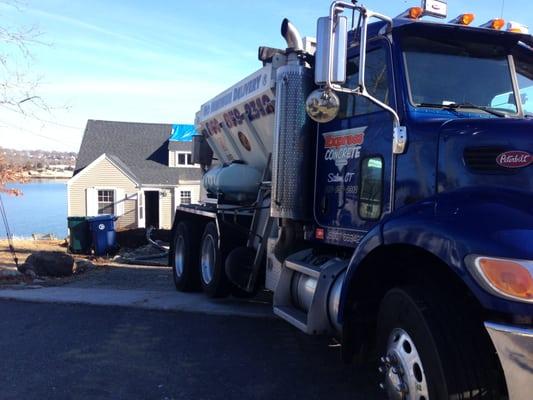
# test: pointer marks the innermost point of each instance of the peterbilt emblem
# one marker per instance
(514, 159)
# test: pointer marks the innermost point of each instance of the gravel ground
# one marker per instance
(127, 277)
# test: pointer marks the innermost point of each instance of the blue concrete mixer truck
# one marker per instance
(378, 180)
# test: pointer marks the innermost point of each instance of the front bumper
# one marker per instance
(514, 346)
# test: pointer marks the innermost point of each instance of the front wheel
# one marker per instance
(431, 349)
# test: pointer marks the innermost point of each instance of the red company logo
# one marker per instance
(335, 142)
(514, 159)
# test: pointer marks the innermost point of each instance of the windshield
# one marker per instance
(456, 73)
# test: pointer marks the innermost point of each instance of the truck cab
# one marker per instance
(447, 180)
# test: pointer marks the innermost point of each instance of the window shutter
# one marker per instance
(91, 202)
(171, 158)
(120, 199)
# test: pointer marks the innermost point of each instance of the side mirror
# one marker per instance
(331, 50)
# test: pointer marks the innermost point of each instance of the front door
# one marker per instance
(151, 208)
(354, 155)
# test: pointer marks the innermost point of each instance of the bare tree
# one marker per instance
(10, 173)
(18, 84)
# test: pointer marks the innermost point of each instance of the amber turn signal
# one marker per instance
(510, 278)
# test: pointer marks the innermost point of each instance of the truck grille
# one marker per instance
(483, 160)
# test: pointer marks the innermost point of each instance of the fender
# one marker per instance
(452, 225)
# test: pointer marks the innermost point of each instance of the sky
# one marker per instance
(158, 60)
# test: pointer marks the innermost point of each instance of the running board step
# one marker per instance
(311, 316)
(292, 315)
(304, 268)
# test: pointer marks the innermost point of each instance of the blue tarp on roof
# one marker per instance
(182, 133)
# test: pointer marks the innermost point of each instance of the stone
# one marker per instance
(49, 263)
(30, 273)
(81, 266)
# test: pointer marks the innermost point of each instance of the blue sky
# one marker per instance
(158, 61)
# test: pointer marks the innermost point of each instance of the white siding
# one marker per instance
(103, 174)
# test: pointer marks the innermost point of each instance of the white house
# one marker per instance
(137, 171)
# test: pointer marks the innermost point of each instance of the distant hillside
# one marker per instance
(38, 159)
(40, 164)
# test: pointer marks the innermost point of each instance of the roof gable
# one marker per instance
(114, 161)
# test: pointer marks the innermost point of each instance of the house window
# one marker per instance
(106, 202)
(185, 197)
(182, 159)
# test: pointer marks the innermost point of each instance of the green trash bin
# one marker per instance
(80, 238)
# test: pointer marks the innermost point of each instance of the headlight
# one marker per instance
(507, 278)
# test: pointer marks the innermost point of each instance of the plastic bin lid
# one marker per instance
(103, 217)
(76, 218)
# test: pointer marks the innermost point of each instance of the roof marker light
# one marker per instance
(463, 19)
(496, 24)
(412, 13)
(517, 28)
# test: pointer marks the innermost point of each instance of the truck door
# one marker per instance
(352, 187)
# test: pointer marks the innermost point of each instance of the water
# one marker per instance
(41, 209)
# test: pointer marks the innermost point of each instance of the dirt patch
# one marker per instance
(24, 248)
(9, 276)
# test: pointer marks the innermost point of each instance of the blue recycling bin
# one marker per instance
(103, 233)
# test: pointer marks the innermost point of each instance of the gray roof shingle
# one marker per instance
(141, 147)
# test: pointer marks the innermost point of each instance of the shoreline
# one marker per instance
(48, 178)
(30, 238)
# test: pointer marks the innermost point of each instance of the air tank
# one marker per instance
(235, 182)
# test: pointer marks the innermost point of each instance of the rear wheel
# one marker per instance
(184, 257)
(212, 275)
(431, 349)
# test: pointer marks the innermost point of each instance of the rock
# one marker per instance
(81, 266)
(49, 263)
(30, 273)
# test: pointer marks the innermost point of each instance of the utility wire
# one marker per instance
(8, 232)
(33, 133)
(46, 120)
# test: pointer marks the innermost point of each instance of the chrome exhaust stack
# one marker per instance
(292, 36)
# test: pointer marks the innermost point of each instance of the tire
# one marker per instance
(184, 257)
(211, 265)
(432, 348)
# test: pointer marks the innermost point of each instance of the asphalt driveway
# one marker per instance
(60, 351)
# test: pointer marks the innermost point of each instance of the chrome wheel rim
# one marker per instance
(402, 368)
(208, 259)
(179, 257)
